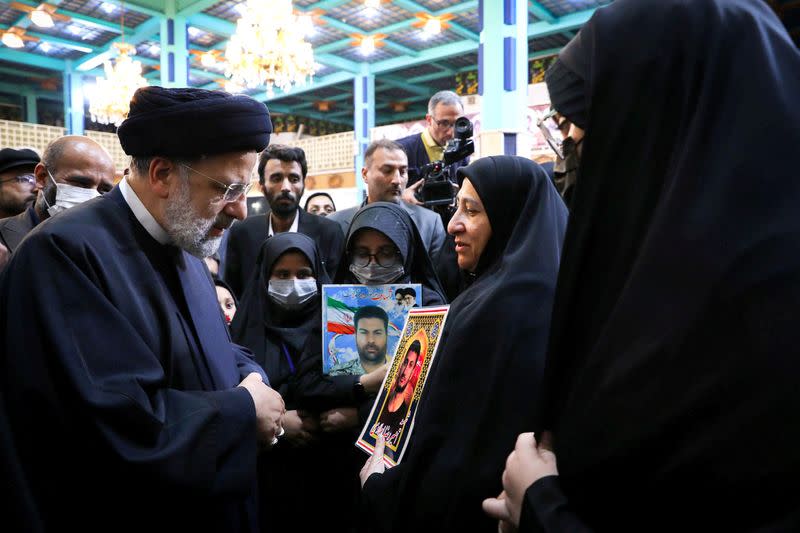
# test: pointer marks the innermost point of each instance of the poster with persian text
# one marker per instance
(361, 324)
(394, 410)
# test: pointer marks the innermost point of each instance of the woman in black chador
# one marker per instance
(508, 231)
(672, 383)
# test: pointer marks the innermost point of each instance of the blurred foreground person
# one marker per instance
(672, 382)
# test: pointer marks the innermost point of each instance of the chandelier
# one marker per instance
(268, 47)
(110, 101)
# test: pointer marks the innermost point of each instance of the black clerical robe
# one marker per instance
(119, 378)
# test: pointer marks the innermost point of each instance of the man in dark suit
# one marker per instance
(444, 108)
(384, 173)
(73, 169)
(281, 174)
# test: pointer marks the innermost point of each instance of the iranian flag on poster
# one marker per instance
(340, 318)
(384, 306)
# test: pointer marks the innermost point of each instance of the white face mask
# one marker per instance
(373, 274)
(68, 196)
(292, 294)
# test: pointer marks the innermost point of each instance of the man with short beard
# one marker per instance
(372, 337)
(281, 174)
(123, 356)
(395, 409)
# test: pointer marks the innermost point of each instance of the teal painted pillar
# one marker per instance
(363, 120)
(31, 112)
(174, 50)
(73, 101)
(503, 76)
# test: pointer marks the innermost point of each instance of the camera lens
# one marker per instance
(463, 128)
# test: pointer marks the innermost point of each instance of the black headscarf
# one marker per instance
(393, 221)
(264, 327)
(673, 382)
(478, 396)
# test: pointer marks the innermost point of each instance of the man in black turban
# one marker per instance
(123, 375)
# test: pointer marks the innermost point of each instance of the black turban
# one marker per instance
(192, 122)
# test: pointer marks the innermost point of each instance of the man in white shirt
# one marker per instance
(123, 353)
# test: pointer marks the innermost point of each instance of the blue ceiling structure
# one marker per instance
(408, 67)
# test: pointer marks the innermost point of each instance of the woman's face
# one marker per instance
(292, 265)
(470, 226)
(370, 246)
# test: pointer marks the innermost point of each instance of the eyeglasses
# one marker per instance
(30, 179)
(554, 140)
(233, 192)
(444, 123)
(387, 256)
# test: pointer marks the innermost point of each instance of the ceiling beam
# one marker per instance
(213, 24)
(400, 48)
(325, 81)
(316, 115)
(330, 4)
(426, 56)
(444, 68)
(412, 100)
(461, 31)
(404, 84)
(143, 31)
(195, 71)
(342, 113)
(25, 74)
(567, 22)
(337, 62)
(406, 115)
(541, 12)
(433, 76)
(21, 90)
(196, 7)
(131, 5)
(63, 43)
(33, 60)
(333, 46)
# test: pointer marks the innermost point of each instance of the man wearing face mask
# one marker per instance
(72, 169)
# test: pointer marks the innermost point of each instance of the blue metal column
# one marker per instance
(73, 101)
(503, 74)
(363, 120)
(31, 113)
(174, 51)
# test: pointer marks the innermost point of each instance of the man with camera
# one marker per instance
(434, 156)
(422, 149)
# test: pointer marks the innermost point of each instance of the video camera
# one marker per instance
(437, 189)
